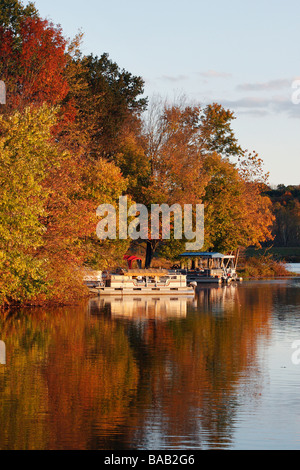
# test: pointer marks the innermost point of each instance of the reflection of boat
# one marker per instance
(139, 282)
(217, 299)
(209, 267)
(141, 308)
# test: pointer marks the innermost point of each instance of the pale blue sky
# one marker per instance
(242, 54)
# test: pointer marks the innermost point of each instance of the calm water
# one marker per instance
(214, 372)
(295, 267)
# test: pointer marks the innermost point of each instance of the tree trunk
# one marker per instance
(149, 254)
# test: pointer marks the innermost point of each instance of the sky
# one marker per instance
(241, 54)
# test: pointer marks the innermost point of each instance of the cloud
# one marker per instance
(278, 102)
(255, 112)
(173, 78)
(258, 106)
(266, 86)
(214, 74)
(253, 102)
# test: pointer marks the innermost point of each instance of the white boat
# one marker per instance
(139, 282)
(207, 267)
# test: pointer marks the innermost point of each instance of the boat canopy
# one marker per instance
(131, 258)
(208, 255)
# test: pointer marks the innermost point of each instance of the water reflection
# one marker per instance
(214, 299)
(141, 308)
(140, 373)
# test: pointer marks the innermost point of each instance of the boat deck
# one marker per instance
(142, 291)
(140, 282)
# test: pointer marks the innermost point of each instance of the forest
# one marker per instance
(77, 131)
(286, 208)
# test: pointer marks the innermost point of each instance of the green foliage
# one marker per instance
(112, 100)
(217, 134)
(12, 11)
(25, 153)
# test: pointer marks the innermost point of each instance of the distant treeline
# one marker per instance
(286, 208)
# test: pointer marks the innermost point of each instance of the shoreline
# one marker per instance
(54, 304)
(253, 269)
(274, 278)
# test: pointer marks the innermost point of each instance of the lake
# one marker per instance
(294, 267)
(218, 371)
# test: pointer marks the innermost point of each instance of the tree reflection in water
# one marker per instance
(138, 373)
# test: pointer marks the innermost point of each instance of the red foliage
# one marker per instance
(33, 63)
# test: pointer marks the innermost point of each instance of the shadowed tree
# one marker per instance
(112, 102)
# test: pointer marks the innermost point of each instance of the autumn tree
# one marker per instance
(181, 138)
(216, 131)
(132, 159)
(76, 188)
(236, 213)
(176, 158)
(95, 147)
(195, 158)
(33, 59)
(41, 68)
(48, 202)
(286, 209)
(25, 153)
(287, 223)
